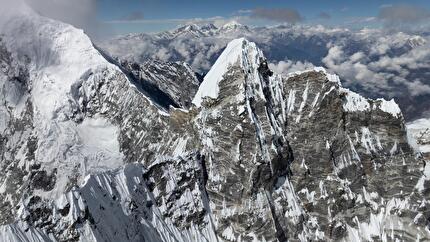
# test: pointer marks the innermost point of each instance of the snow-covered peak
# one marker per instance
(208, 27)
(355, 102)
(416, 41)
(233, 25)
(51, 46)
(191, 30)
(239, 51)
(190, 27)
(59, 59)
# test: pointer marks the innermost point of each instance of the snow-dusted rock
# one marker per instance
(88, 154)
(419, 130)
(172, 84)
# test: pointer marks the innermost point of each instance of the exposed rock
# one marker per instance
(176, 80)
(264, 158)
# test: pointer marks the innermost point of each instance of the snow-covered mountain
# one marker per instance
(95, 148)
(372, 62)
(419, 131)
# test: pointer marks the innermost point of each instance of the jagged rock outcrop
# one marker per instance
(176, 81)
(87, 155)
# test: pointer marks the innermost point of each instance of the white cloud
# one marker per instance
(290, 66)
(418, 88)
(79, 13)
(9, 8)
(376, 72)
(352, 70)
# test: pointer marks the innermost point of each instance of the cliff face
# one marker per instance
(300, 157)
(172, 83)
(89, 154)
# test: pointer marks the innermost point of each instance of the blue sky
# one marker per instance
(151, 15)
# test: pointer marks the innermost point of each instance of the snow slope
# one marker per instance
(419, 130)
(238, 50)
(70, 116)
(59, 58)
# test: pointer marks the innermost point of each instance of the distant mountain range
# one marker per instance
(372, 62)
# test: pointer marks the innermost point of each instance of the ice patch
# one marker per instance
(100, 144)
(97, 133)
(390, 107)
(355, 102)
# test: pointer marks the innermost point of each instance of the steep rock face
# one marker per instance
(239, 137)
(300, 157)
(353, 164)
(16, 129)
(261, 157)
(176, 80)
